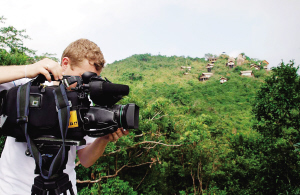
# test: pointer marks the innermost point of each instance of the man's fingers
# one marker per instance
(44, 67)
(55, 69)
(46, 74)
(119, 132)
(115, 136)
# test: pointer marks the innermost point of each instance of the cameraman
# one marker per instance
(16, 169)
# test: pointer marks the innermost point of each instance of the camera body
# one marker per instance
(97, 120)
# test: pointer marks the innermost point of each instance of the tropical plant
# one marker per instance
(277, 111)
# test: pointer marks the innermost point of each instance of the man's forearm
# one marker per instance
(11, 73)
(91, 153)
(45, 66)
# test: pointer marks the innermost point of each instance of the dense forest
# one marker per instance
(194, 137)
(202, 137)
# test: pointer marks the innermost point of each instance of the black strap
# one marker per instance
(2, 100)
(63, 109)
(2, 111)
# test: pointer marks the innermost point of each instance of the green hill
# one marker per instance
(194, 137)
(158, 77)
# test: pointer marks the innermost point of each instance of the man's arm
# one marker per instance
(91, 153)
(14, 72)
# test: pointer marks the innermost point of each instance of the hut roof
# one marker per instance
(266, 62)
(207, 74)
(247, 71)
(204, 77)
(231, 59)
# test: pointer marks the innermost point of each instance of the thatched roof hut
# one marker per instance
(266, 64)
(231, 59)
(186, 67)
(223, 80)
(205, 76)
(255, 66)
(247, 73)
(212, 59)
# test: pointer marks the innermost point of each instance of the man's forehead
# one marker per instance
(89, 68)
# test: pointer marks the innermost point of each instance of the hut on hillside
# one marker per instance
(186, 67)
(230, 62)
(205, 76)
(266, 64)
(257, 67)
(231, 59)
(209, 67)
(247, 73)
(223, 80)
(212, 60)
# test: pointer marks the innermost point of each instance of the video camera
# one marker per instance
(53, 118)
(95, 121)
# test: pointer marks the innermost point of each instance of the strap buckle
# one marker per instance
(22, 120)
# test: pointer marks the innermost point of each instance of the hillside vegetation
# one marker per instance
(194, 137)
(153, 78)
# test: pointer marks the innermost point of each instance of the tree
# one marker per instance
(12, 39)
(277, 111)
(12, 49)
(208, 55)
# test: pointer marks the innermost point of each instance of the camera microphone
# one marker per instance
(110, 93)
(98, 88)
(115, 89)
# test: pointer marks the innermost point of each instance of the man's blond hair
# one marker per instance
(82, 49)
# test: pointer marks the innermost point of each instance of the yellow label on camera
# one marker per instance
(73, 122)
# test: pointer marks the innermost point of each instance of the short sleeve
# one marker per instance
(8, 85)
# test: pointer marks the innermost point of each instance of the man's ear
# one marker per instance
(65, 63)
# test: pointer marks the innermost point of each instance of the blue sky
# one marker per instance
(263, 29)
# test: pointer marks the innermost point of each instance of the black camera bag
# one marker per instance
(43, 120)
(25, 105)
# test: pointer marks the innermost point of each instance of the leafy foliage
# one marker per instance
(277, 114)
(12, 39)
(12, 49)
(194, 137)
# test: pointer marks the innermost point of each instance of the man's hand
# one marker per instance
(115, 135)
(44, 67)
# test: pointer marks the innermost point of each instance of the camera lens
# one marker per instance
(127, 116)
